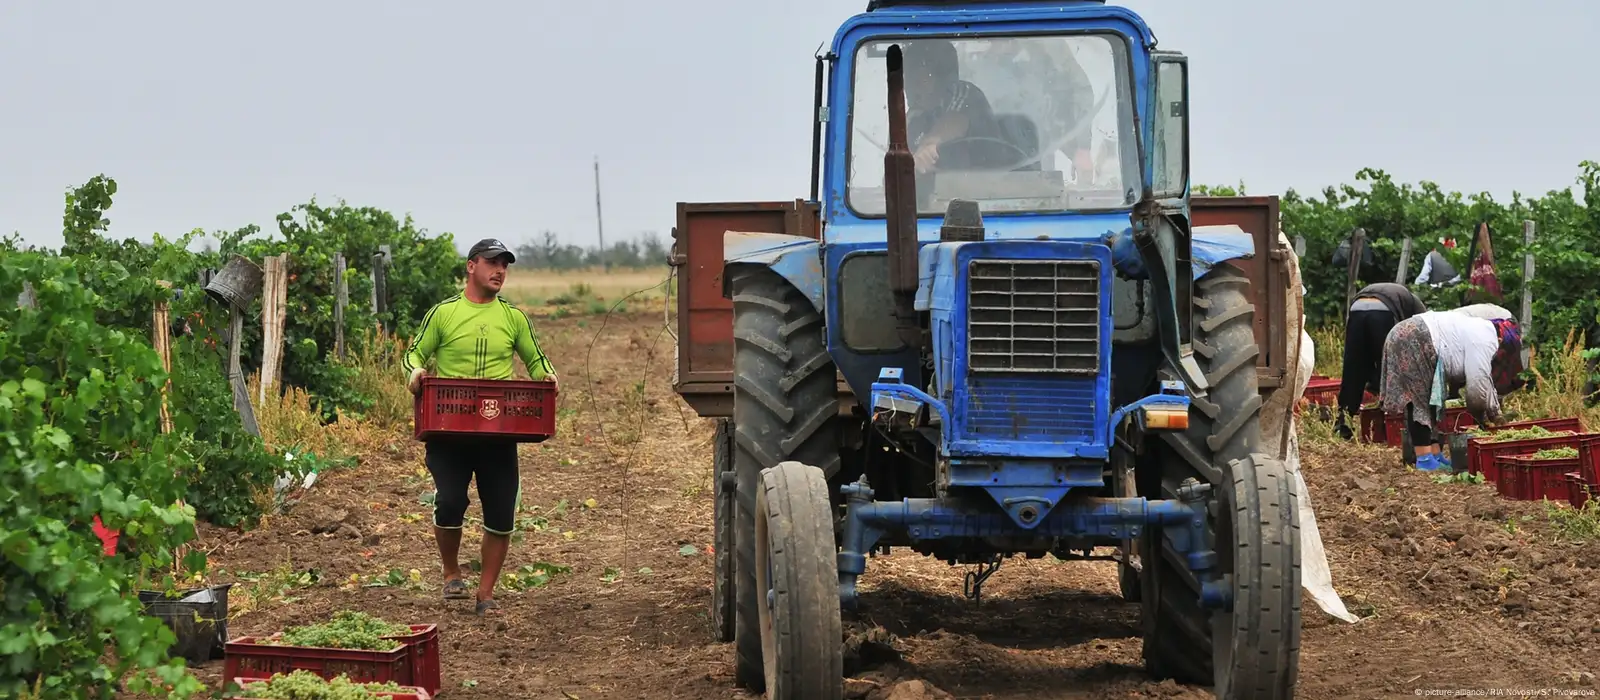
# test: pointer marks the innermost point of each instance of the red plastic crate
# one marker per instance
(516, 409)
(1455, 420)
(406, 692)
(422, 647)
(1322, 391)
(1541, 478)
(1478, 463)
(1486, 459)
(248, 658)
(1373, 427)
(1589, 456)
(1510, 481)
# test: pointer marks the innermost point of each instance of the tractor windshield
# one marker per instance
(1020, 124)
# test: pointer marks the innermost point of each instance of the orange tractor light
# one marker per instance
(1165, 417)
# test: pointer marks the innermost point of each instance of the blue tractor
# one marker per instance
(1000, 330)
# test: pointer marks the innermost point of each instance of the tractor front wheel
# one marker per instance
(797, 578)
(1251, 648)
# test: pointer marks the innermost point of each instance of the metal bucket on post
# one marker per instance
(237, 283)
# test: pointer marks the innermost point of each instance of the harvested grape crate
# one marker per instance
(1536, 476)
(1525, 437)
(403, 692)
(422, 647)
(1456, 419)
(258, 657)
(351, 644)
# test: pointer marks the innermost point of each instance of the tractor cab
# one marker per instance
(1021, 124)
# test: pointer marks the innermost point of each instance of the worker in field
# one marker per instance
(1430, 351)
(1376, 310)
(1436, 269)
(474, 335)
(1488, 312)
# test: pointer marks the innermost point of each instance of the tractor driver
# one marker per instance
(941, 108)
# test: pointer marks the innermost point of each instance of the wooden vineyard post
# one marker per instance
(161, 330)
(274, 294)
(236, 286)
(241, 395)
(341, 297)
(1405, 262)
(1358, 245)
(1527, 287)
(27, 299)
(161, 338)
(380, 284)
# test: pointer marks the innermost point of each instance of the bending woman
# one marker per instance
(1427, 353)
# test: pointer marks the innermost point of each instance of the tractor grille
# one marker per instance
(1032, 409)
(1040, 316)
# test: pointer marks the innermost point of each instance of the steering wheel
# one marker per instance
(1021, 154)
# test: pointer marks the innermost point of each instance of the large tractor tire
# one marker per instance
(1251, 649)
(722, 533)
(797, 573)
(785, 408)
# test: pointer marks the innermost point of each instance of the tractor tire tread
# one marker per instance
(1220, 448)
(774, 421)
(722, 536)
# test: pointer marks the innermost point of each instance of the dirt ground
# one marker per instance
(1456, 589)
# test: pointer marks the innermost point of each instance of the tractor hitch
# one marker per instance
(867, 520)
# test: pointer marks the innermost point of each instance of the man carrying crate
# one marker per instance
(474, 335)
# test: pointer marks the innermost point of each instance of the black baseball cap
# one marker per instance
(491, 248)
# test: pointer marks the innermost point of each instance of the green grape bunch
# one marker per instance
(1566, 452)
(305, 685)
(347, 630)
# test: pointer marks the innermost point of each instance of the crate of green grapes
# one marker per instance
(361, 647)
(305, 684)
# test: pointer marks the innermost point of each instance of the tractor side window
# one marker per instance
(1172, 129)
(1020, 124)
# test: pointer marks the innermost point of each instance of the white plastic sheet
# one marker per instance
(1315, 576)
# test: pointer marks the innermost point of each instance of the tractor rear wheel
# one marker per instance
(1250, 649)
(722, 533)
(785, 408)
(797, 573)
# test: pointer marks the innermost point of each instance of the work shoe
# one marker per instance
(1429, 462)
(1343, 430)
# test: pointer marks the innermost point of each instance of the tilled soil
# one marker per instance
(1456, 587)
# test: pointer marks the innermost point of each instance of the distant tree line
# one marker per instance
(549, 253)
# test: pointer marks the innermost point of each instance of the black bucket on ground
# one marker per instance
(198, 616)
(1458, 451)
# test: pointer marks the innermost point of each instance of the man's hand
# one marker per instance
(1083, 167)
(926, 155)
(415, 382)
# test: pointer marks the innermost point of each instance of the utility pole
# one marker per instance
(599, 221)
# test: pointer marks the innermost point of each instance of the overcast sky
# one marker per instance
(483, 117)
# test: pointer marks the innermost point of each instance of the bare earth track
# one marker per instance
(1452, 596)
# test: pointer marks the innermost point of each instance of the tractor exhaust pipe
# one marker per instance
(900, 207)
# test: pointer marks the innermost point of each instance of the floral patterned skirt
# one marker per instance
(1409, 362)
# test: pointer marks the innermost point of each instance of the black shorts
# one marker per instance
(454, 463)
